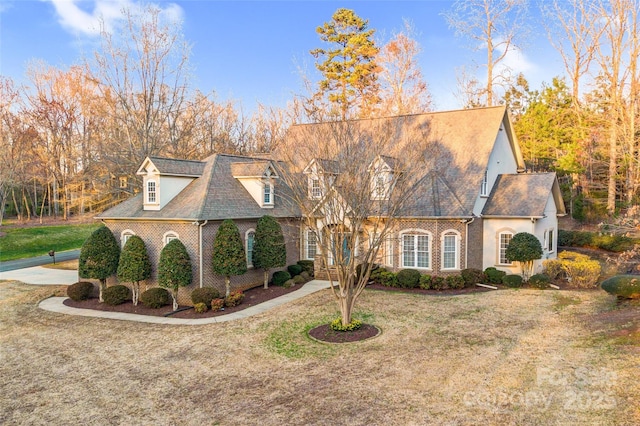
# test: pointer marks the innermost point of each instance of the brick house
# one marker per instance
(468, 202)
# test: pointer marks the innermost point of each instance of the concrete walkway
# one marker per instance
(54, 304)
(41, 276)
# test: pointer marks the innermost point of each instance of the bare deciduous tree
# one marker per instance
(494, 25)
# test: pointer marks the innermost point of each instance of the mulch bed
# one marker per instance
(449, 292)
(326, 334)
(252, 297)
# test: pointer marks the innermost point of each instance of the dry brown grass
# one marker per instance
(485, 358)
(68, 265)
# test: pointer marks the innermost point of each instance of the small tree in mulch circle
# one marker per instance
(228, 253)
(174, 270)
(134, 265)
(269, 248)
(524, 248)
(99, 257)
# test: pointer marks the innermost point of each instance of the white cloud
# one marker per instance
(86, 20)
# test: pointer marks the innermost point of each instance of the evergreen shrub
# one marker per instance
(408, 278)
(540, 281)
(116, 295)
(279, 277)
(234, 299)
(155, 298)
(204, 295)
(80, 291)
(294, 269)
(472, 276)
(512, 280)
(307, 265)
(493, 275)
(454, 281)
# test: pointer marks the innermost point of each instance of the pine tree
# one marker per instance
(269, 249)
(134, 265)
(228, 253)
(175, 268)
(99, 257)
(349, 67)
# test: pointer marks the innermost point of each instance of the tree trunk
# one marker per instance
(174, 296)
(135, 290)
(611, 190)
(266, 278)
(227, 283)
(103, 286)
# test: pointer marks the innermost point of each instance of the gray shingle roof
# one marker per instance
(252, 169)
(216, 195)
(522, 195)
(176, 167)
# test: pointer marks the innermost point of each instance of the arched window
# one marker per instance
(151, 191)
(249, 239)
(416, 249)
(168, 236)
(450, 249)
(125, 235)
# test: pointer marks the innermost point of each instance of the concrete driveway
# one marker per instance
(41, 276)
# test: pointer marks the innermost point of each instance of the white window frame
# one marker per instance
(125, 235)
(168, 236)
(267, 190)
(457, 239)
(502, 250)
(306, 244)
(246, 246)
(484, 186)
(123, 182)
(315, 191)
(154, 192)
(415, 234)
(548, 240)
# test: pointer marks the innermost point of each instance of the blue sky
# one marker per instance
(251, 51)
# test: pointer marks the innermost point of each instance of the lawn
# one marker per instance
(502, 357)
(19, 243)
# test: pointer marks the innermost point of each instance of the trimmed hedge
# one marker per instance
(279, 277)
(454, 281)
(155, 298)
(472, 276)
(540, 281)
(307, 265)
(625, 286)
(204, 295)
(116, 295)
(512, 281)
(408, 278)
(294, 269)
(80, 291)
(493, 275)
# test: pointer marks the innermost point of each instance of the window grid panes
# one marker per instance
(267, 193)
(312, 246)
(316, 191)
(151, 191)
(485, 184)
(250, 239)
(550, 240)
(415, 251)
(449, 252)
(505, 239)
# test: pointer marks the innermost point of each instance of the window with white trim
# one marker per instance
(151, 191)
(168, 236)
(504, 238)
(125, 235)
(484, 186)
(268, 193)
(550, 240)
(249, 238)
(315, 189)
(451, 250)
(416, 251)
(311, 248)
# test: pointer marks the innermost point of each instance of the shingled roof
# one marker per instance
(176, 167)
(215, 195)
(523, 195)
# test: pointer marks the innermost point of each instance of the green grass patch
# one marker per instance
(562, 301)
(19, 243)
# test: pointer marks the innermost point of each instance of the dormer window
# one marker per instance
(151, 191)
(267, 193)
(379, 187)
(315, 190)
(484, 186)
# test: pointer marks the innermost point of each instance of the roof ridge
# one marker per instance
(208, 168)
(174, 159)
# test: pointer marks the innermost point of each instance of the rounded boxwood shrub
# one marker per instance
(305, 276)
(472, 276)
(80, 291)
(289, 283)
(280, 277)
(454, 281)
(540, 281)
(116, 295)
(512, 281)
(204, 295)
(155, 298)
(307, 265)
(298, 279)
(408, 278)
(438, 283)
(493, 275)
(376, 275)
(294, 269)
(389, 279)
(625, 286)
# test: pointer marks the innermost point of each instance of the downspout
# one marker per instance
(466, 241)
(200, 225)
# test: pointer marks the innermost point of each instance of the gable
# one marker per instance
(524, 195)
